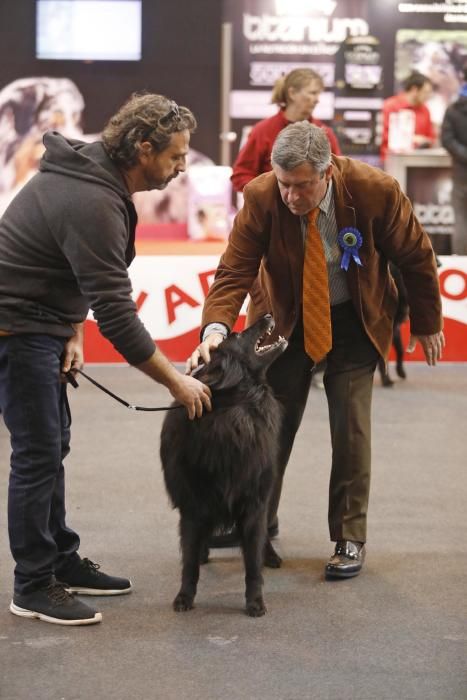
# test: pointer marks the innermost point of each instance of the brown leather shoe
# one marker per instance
(347, 559)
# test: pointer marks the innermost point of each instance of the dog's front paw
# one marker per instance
(271, 558)
(183, 603)
(256, 608)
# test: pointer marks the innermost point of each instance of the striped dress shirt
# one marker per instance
(337, 280)
(327, 226)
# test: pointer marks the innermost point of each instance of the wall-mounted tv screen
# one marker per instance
(88, 30)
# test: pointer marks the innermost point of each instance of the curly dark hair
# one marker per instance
(144, 117)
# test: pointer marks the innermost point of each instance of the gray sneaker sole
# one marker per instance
(98, 591)
(32, 614)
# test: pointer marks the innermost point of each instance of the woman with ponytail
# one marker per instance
(296, 95)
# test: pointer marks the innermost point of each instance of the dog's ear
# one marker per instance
(221, 373)
(211, 373)
(231, 374)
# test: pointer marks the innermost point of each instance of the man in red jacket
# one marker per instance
(417, 91)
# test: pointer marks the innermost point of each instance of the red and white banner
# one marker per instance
(169, 291)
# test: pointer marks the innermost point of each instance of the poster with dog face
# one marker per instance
(28, 108)
(31, 106)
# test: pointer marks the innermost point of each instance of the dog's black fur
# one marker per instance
(219, 469)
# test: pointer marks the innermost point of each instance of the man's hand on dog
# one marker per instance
(188, 391)
(202, 352)
(193, 394)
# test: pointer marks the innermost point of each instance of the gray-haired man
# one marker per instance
(363, 221)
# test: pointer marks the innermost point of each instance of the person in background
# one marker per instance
(66, 241)
(417, 89)
(401, 315)
(297, 95)
(454, 140)
(320, 231)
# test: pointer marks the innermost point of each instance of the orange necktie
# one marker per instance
(316, 308)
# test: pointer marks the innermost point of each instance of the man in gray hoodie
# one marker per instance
(66, 241)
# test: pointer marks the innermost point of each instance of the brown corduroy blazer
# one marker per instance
(266, 238)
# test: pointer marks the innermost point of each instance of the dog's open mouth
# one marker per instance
(263, 349)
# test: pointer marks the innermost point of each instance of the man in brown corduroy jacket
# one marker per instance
(364, 221)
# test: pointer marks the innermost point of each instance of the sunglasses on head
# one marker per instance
(173, 113)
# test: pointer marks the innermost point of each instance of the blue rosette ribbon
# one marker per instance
(350, 240)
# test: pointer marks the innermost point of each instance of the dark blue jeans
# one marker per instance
(35, 410)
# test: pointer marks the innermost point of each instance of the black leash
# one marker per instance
(72, 380)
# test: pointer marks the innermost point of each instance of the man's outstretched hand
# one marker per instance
(190, 392)
(432, 345)
(193, 394)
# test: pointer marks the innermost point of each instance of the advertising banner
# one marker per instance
(363, 51)
(272, 37)
(170, 291)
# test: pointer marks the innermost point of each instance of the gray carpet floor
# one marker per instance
(396, 632)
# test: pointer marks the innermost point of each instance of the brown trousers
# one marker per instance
(348, 381)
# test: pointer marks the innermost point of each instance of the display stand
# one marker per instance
(397, 164)
(425, 177)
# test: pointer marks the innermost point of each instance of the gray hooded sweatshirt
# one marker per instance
(66, 241)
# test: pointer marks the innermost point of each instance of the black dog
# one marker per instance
(219, 469)
(402, 314)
